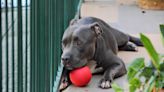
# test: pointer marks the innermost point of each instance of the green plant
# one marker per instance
(116, 88)
(146, 77)
(162, 33)
(142, 76)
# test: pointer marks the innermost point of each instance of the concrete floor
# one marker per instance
(131, 20)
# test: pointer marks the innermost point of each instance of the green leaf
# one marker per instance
(135, 82)
(159, 84)
(134, 67)
(162, 66)
(151, 51)
(150, 84)
(132, 88)
(160, 80)
(131, 73)
(147, 72)
(137, 64)
(162, 29)
(117, 88)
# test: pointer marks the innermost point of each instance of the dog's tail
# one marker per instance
(135, 40)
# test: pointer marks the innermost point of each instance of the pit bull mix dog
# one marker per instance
(89, 39)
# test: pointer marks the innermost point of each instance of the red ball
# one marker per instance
(81, 76)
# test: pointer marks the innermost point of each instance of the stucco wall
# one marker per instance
(127, 2)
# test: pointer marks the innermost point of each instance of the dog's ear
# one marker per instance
(73, 21)
(96, 28)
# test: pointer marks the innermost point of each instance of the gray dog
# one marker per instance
(89, 39)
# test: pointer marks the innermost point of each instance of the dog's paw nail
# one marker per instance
(105, 84)
(64, 84)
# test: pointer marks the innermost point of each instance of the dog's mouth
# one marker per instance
(68, 66)
(71, 67)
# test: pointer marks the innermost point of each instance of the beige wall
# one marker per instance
(127, 2)
(98, 0)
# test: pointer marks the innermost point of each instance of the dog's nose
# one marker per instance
(65, 59)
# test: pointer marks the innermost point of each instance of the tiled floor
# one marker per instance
(129, 19)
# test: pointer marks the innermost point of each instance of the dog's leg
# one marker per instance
(65, 81)
(128, 47)
(135, 40)
(110, 74)
(114, 67)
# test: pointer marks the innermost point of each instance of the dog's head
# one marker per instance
(78, 45)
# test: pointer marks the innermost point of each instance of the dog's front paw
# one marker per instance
(105, 83)
(64, 83)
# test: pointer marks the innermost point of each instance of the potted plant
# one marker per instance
(151, 4)
(146, 77)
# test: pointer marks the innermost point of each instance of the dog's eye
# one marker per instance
(77, 42)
